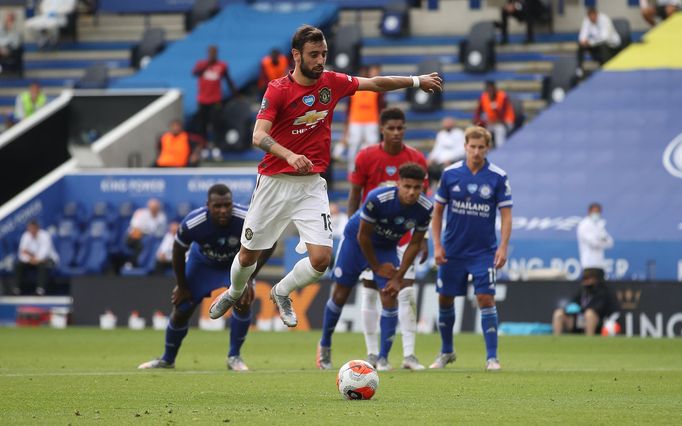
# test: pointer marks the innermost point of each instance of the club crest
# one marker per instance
(325, 94)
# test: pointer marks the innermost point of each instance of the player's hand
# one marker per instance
(179, 295)
(439, 254)
(431, 83)
(424, 251)
(392, 287)
(386, 270)
(500, 257)
(300, 163)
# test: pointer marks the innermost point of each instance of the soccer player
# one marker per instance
(377, 165)
(293, 128)
(471, 190)
(370, 240)
(211, 234)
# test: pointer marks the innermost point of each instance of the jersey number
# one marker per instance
(327, 220)
(492, 275)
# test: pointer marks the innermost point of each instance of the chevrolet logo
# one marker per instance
(310, 118)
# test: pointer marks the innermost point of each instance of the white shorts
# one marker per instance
(363, 134)
(281, 199)
(367, 274)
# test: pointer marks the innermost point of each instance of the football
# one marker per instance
(610, 328)
(357, 379)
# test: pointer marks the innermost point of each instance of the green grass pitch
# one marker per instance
(89, 376)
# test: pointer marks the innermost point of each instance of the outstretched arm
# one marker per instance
(431, 83)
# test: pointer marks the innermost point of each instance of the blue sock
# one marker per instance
(239, 326)
(388, 324)
(446, 322)
(332, 313)
(174, 338)
(489, 326)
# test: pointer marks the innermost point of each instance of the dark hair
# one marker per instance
(306, 34)
(591, 9)
(412, 171)
(219, 189)
(392, 114)
(594, 206)
(490, 83)
(34, 221)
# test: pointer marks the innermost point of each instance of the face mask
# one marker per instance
(595, 216)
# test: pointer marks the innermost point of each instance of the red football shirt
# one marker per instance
(374, 166)
(210, 81)
(301, 118)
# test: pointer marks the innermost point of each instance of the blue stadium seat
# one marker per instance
(181, 210)
(146, 261)
(93, 253)
(66, 244)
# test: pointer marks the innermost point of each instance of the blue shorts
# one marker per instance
(350, 262)
(203, 277)
(453, 276)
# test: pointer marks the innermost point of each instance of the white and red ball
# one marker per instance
(610, 328)
(357, 379)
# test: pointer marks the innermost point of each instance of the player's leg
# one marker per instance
(310, 213)
(407, 316)
(451, 282)
(484, 275)
(353, 141)
(349, 263)
(239, 327)
(369, 300)
(388, 321)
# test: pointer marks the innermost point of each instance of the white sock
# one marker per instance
(370, 318)
(407, 316)
(299, 277)
(239, 275)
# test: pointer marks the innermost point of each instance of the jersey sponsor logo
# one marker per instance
(470, 209)
(311, 118)
(485, 191)
(248, 234)
(325, 94)
(308, 100)
(390, 170)
(672, 157)
(472, 187)
(264, 105)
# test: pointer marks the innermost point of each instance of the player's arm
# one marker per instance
(354, 199)
(365, 240)
(230, 83)
(436, 231)
(263, 140)
(505, 234)
(181, 290)
(431, 83)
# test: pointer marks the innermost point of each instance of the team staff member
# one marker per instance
(293, 127)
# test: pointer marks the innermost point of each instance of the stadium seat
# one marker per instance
(420, 100)
(201, 11)
(146, 261)
(395, 21)
(235, 126)
(561, 80)
(93, 246)
(477, 52)
(181, 210)
(153, 42)
(519, 114)
(622, 27)
(96, 76)
(66, 244)
(346, 49)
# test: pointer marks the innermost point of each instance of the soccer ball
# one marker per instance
(357, 379)
(610, 328)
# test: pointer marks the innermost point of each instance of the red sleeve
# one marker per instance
(358, 176)
(199, 66)
(347, 85)
(270, 104)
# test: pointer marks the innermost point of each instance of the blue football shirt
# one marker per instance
(214, 244)
(471, 202)
(391, 219)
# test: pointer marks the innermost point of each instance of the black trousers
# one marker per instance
(41, 270)
(600, 52)
(208, 114)
(526, 13)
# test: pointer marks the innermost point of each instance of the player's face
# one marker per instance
(409, 190)
(393, 131)
(312, 59)
(476, 150)
(220, 208)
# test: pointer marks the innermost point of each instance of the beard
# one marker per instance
(309, 72)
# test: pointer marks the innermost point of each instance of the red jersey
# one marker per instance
(374, 166)
(210, 81)
(301, 118)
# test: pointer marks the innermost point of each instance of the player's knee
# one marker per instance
(485, 300)
(248, 257)
(445, 302)
(340, 295)
(558, 314)
(591, 314)
(320, 261)
(179, 318)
